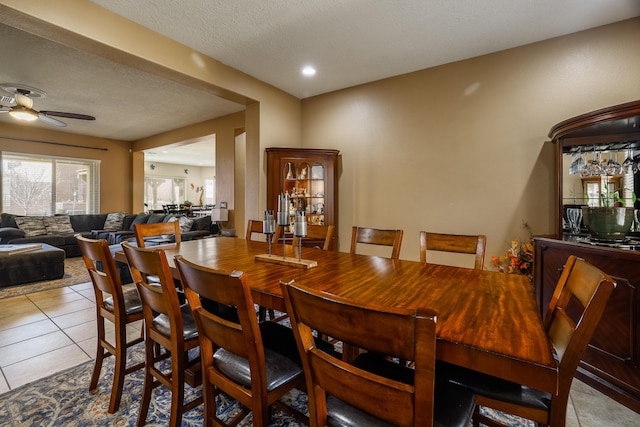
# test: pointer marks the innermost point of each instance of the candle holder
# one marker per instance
(283, 218)
(299, 226)
(300, 230)
(269, 227)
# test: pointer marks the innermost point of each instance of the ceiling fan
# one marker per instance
(18, 102)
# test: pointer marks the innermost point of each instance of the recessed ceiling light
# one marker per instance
(309, 71)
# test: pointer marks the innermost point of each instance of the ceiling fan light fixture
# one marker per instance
(23, 113)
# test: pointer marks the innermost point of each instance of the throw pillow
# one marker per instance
(59, 224)
(185, 223)
(114, 221)
(32, 225)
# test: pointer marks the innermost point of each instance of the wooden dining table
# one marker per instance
(486, 321)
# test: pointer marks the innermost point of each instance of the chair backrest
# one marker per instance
(255, 226)
(458, 243)
(102, 269)
(374, 236)
(317, 232)
(403, 333)
(163, 299)
(242, 339)
(575, 309)
(158, 229)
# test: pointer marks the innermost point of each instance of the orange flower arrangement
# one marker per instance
(519, 257)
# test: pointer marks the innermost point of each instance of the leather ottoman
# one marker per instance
(46, 263)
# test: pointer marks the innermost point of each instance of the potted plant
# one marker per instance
(611, 221)
(187, 204)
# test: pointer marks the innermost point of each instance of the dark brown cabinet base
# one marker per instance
(610, 364)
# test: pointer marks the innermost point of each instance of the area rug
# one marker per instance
(63, 399)
(75, 272)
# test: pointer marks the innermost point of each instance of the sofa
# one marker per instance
(59, 230)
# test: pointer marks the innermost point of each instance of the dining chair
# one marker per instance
(318, 232)
(457, 243)
(158, 233)
(250, 362)
(576, 307)
(168, 325)
(374, 236)
(119, 305)
(255, 226)
(372, 390)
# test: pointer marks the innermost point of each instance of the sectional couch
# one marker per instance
(59, 230)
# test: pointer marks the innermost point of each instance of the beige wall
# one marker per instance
(115, 158)
(461, 148)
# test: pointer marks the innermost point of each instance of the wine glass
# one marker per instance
(574, 217)
(612, 167)
(628, 164)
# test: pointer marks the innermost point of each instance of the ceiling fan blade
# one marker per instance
(68, 115)
(50, 120)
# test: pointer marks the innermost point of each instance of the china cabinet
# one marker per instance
(611, 363)
(309, 177)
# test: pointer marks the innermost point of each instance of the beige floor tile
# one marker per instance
(594, 409)
(17, 320)
(88, 294)
(25, 332)
(572, 417)
(33, 347)
(67, 307)
(76, 318)
(16, 305)
(53, 301)
(51, 293)
(82, 287)
(4, 387)
(89, 346)
(81, 332)
(44, 365)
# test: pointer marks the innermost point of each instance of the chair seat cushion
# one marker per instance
(453, 405)
(341, 414)
(280, 369)
(161, 323)
(132, 303)
(493, 387)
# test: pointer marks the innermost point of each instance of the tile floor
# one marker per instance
(53, 330)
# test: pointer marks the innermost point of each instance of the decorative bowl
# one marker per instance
(608, 223)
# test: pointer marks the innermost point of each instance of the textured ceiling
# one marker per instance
(358, 41)
(349, 42)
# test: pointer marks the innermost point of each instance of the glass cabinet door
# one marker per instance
(305, 185)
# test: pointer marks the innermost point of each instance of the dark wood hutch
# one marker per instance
(309, 176)
(611, 363)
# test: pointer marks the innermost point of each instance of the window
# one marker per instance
(160, 191)
(46, 185)
(209, 191)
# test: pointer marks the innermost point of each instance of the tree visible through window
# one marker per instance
(41, 185)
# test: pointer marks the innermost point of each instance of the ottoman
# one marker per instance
(46, 263)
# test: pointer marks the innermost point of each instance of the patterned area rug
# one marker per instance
(75, 272)
(63, 399)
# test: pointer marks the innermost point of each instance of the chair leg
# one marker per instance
(97, 367)
(148, 384)
(177, 390)
(119, 368)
